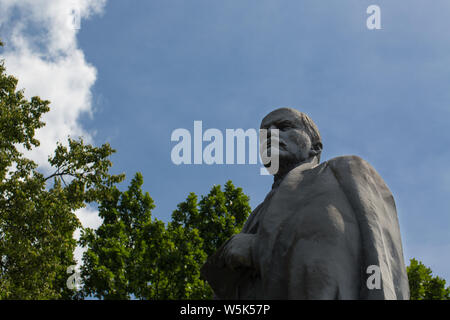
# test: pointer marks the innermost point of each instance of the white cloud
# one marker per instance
(41, 50)
(89, 219)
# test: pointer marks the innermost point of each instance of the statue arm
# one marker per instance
(375, 210)
(233, 261)
(229, 265)
(237, 251)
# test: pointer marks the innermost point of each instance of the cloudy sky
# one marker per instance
(137, 70)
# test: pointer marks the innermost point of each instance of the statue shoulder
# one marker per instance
(349, 162)
(355, 172)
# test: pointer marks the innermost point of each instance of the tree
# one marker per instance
(422, 284)
(132, 255)
(217, 216)
(114, 261)
(37, 213)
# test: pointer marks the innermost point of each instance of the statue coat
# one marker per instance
(314, 237)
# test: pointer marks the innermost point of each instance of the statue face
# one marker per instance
(294, 142)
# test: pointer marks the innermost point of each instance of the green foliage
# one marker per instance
(217, 217)
(115, 254)
(134, 255)
(422, 284)
(37, 214)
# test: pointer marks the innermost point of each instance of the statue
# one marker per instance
(319, 232)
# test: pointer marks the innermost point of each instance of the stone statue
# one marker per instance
(320, 231)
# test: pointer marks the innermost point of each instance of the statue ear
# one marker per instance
(316, 149)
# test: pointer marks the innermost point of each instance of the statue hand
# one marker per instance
(237, 251)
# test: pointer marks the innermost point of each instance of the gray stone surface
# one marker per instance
(317, 231)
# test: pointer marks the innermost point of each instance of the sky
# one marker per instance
(135, 71)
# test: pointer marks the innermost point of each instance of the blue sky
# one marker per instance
(380, 94)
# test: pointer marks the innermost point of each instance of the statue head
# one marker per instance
(299, 138)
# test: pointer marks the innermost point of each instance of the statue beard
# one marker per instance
(286, 165)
